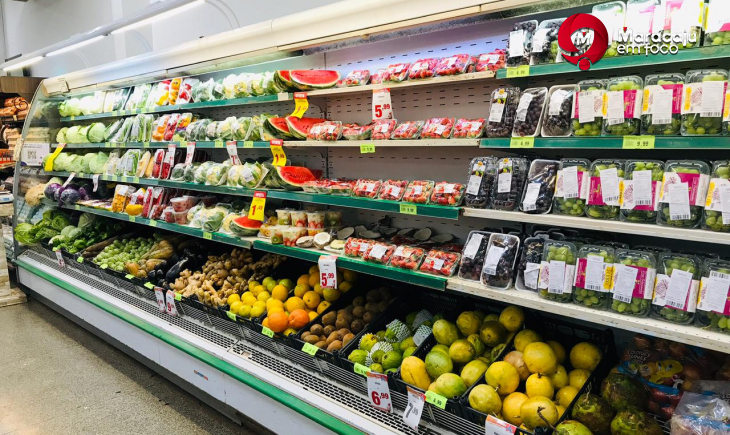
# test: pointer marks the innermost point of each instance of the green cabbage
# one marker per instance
(85, 160)
(60, 221)
(96, 165)
(72, 134)
(65, 232)
(83, 131)
(23, 234)
(61, 135)
(86, 219)
(96, 132)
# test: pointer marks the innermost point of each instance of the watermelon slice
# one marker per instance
(278, 128)
(283, 79)
(243, 226)
(299, 127)
(311, 79)
(292, 177)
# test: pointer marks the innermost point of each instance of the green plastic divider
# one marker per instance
(269, 390)
(153, 145)
(661, 142)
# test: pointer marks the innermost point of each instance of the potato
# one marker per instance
(335, 345)
(329, 319)
(316, 329)
(320, 344)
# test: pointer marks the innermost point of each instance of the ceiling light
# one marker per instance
(23, 63)
(75, 46)
(161, 16)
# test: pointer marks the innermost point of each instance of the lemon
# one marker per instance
(313, 315)
(263, 296)
(322, 306)
(318, 289)
(289, 331)
(275, 310)
(300, 289)
(344, 287)
(280, 293)
(233, 298)
(257, 290)
(235, 306)
(257, 311)
(245, 311)
(249, 299)
(350, 276)
(512, 318)
(585, 356)
(311, 299)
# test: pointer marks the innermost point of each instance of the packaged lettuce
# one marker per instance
(252, 175)
(201, 174)
(130, 160)
(225, 128)
(135, 132)
(139, 97)
(122, 133)
(218, 91)
(110, 166)
(257, 85)
(204, 91)
(178, 172)
(257, 128)
(213, 217)
(241, 88)
(189, 175)
(234, 174)
(228, 84)
(114, 100)
(92, 104)
(242, 128)
(216, 174)
(111, 129)
(211, 131)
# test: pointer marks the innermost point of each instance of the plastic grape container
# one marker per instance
(502, 112)
(639, 304)
(666, 265)
(641, 212)
(499, 264)
(662, 113)
(519, 44)
(713, 208)
(613, 16)
(592, 258)
(718, 28)
(640, 18)
(696, 174)
(531, 257)
(589, 90)
(686, 18)
(599, 205)
(473, 255)
(529, 112)
(557, 120)
(714, 315)
(574, 203)
(702, 116)
(507, 188)
(545, 46)
(557, 251)
(629, 122)
(537, 197)
(482, 174)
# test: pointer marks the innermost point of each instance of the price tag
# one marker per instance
(623, 287)
(231, 315)
(189, 153)
(95, 179)
(48, 167)
(267, 332)
(132, 218)
(414, 409)
(80, 260)
(153, 223)
(679, 286)
(378, 391)
(248, 144)
(301, 104)
(361, 369)
(171, 308)
(149, 285)
(160, 296)
(522, 142)
(310, 349)
(256, 212)
(679, 201)
(282, 96)
(218, 144)
(129, 276)
(328, 271)
(382, 107)
(68, 180)
(471, 248)
(408, 209)
(184, 143)
(59, 257)
(639, 142)
(178, 297)
(520, 71)
(231, 147)
(63, 84)
(207, 235)
(278, 152)
(495, 426)
(436, 399)
(556, 281)
(170, 156)
(368, 148)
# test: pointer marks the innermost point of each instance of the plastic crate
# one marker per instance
(568, 335)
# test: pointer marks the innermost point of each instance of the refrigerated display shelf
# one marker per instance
(612, 143)
(183, 144)
(288, 144)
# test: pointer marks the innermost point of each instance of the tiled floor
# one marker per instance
(57, 378)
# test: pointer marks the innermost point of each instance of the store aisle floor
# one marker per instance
(57, 378)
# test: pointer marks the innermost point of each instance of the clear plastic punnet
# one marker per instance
(594, 271)
(557, 271)
(605, 189)
(502, 112)
(588, 108)
(662, 111)
(622, 105)
(640, 190)
(473, 255)
(528, 269)
(718, 198)
(499, 263)
(545, 48)
(482, 175)
(507, 189)
(613, 16)
(633, 282)
(713, 304)
(537, 197)
(529, 112)
(571, 187)
(519, 44)
(684, 193)
(682, 19)
(717, 30)
(677, 286)
(557, 119)
(703, 102)
(640, 18)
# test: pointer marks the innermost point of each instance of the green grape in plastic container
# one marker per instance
(593, 276)
(713, 207)
(588, 121)
(603, 193)
(613, 16)
(571, 195)
(696, 175)
(713, 310)
(622, 106)
(703, 102)
(717, 30)
(640, 190)
(662, 112)
(675, 294)
(640, 15)
(556, 256)
(683, 18)
(633, 282)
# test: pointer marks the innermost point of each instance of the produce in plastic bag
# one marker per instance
(243, 128)
(640, 190)
(572, 186)
(482, 173)
(700, 414)
(418, 191)
(159, 128)
(491, 61)
(383, 128)
(437, 128)
(507, 189)
(174, 90)
(327, 131)
(468, 128)
(622, 106)
(114, 100)
(171, 126)
(216, 175)
(683, 193)
(719, 183)
(138, 98)
(122, 133)
(499, 263)
(557, 271)
(633, 282)
(519, 44)
(356, 248)
(408, 130)
(446, 193)
(713, 309)
(397, 72)
(189, 175)
(540, 188)
(379, 76)
(677, 286)
(545, 46)
(186, 90)
(201, 174)
(702, 106)
(557, 121)
(454, 64)
(439, 262)
(502, 111)
(613, 16)
(393, 190)
(211, 130)
(604, 193)
(662, 112)
(423, 68)
(92, 104)
(529, 112)
(178, 172)
(593, 275)
(252, 175)
(225, 128)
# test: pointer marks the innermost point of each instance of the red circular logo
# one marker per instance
(582, 23)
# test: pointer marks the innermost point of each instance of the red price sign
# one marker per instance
(328, 271)
(258, 203)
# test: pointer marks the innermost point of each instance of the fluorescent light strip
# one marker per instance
(75, 46)
(23, 63)
(161, 16)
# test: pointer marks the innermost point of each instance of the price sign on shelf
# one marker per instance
(48, 167)
(520, 71)
(278, 152)
(189, 153)
(414, 409)
(328, 271)
(256, 212)
(301, 104)
(639, 142)
(59, 257)
(522, 142)
(382, 107)
(170, 306)
(378, 391)
(160, 296)
(495, 426)
(231, 147)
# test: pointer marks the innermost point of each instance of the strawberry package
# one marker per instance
(157, 161)
(357, 78)
(491, 61)
(407, 257)
(468, 128)
(328, 130)
(393, 190)
(356, 248)
(439, 262)
(445, 193)
(341, 187)
(423, 68)
(186, 90)
(397, 72)
(418, 191)
(357, 132)
(456, 64)
(437, 128)
(379, 252)
(171, 126)
(379, 76)
(408, 130)
(365, 188)
(383, 128)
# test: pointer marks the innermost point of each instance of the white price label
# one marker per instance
(715, 292)
(70, 177)
(471, 248)
(595, 272)
(556, 102)
(532, 273)
(517, 43)
(493, 255)
(170, 156)
(63, 84)
(615, 107)
(378, 392)
(327, 271)
(610, 186)
(414, 409)
(725, 203)
(713, 98)
(59, 258)
(586, 104)
(570, 182)
(378, 251)
(495, 112)
(679, 201)
(382, 106)
(539, 39)
(472, 187)
(504, 182)
(160, 296)
(531, 194)
(524, 105)
(189, 153)
(95, 179)
(623, 288)
(556, 281)
(495, 426)
(661, 107)
(679, 286)
(170, 307)
(232, 148)
(643, 194)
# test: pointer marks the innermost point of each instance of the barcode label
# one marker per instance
(661, 121)
(711, 114)
(32, 155)
(720, 275)
(622, 298)
(675, 304)
(610, 198)
(615, 121)
(643, 202)
(680, 217)
(595, 287)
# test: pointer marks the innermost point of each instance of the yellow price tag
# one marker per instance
(103, 266)
(49, 163)
(267, 332)
(367, 148)
(639, 142)
(231, 315)
(522, 142)
(361, 369)
(278, 152)
(133, 219)
(115, 113)
(218, 144)
(408, 209)
(129, 276)
(258, 203)
(149, 285)
(248, 144)
(207, 235)
(77, 207)
(107, 144)
(72, 117)
(183, 144)
(608, 280)
(153, 223)
(436, 399)
(135, 179)
(310, 349)
(301, 104)
(178, 297)
(520, 71)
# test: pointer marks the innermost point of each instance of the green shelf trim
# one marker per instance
(263, 387)
(407, 276)
(182, 107)
(201, 145)
(721, 52)
(661, 142)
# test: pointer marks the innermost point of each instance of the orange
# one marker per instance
(331, 294)
(300, 289)
(279, 292)
(278, 321)
(304, 279)
(318, 289)
(313, 279)
(233, 298)
(298, 319)
(311, 299)
(313, 315)
(294, 303)
(314, 269)
(265, 323)
(323, 306)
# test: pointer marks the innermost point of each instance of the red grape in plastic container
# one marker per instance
(491, 61)
(397, 72)
(456, 64)
(437, 128)
(408, 130)
(407, 257)
(357, 78)
(439, 262)
(423, 68)
(383, 128)
(393, 190)
(418, 191)
(366, 188)
(378, 77)
(379, 252)
(445, 193)
(468, 128)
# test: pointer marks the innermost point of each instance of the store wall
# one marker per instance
(34, 24)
